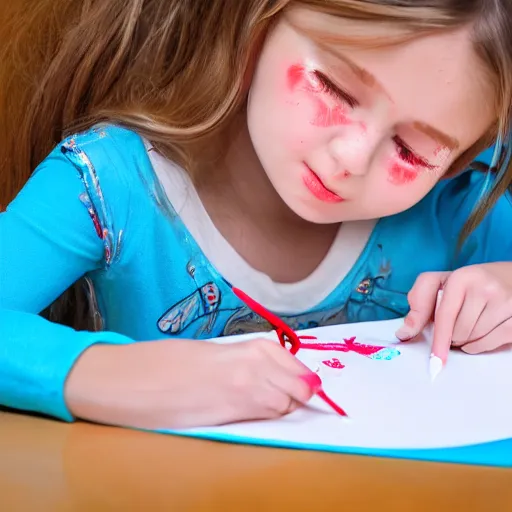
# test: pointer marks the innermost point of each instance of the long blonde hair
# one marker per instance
(177, 71)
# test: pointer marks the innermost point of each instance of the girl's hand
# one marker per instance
(474, 310)
(185, 383)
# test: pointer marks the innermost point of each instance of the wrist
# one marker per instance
(97, 388)
(142, 385)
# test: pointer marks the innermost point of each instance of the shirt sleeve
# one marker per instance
(48, 240)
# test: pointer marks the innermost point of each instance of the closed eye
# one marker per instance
(329, 87)
(408, 155)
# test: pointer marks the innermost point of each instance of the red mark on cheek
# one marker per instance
(329, 116)
(299, 78)
(295, 76)
(400, 175)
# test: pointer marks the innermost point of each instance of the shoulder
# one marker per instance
(109, 150)
(107, 137)
(428, 236)
(451, 204)
(103, 161)
(114, 172)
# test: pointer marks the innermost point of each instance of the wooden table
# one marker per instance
(49, 466)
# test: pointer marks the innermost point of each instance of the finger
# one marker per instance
(293, 405)
(444, 324)
(497, 338)
(422, 302)
(294, 382)
(274, 403)
(286, 392)
(495, 313)
(469, 315)
(283, 358)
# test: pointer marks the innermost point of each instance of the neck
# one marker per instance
(239, 180)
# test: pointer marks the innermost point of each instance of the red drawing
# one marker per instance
(349, 345)
(287, 336)
(334, 363)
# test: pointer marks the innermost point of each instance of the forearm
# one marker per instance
(35, 359)
(144, 385)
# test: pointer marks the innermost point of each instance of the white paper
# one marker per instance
(394, 404)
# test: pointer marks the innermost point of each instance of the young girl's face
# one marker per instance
(346, 133)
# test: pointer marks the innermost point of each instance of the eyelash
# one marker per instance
(408, 155)
(335, 91)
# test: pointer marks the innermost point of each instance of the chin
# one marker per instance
(315, 215)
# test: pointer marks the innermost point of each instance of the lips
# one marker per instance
(318, 189)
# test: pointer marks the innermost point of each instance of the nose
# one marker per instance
(353, 151)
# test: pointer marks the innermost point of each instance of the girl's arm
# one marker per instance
(47, 242)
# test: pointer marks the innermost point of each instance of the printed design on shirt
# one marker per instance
(367, 284)
(211, 313)
(100, 230)
(373, 297)
(204, 304)
(244, 320)
(94, 200)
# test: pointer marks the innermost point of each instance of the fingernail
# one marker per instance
(438, 301)
(435, 366)
(405, 333)
(312, 380)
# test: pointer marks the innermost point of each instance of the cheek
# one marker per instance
(300, 138)
(282, 127)
(394, 187)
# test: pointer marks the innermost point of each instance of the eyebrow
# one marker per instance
(438, 136)
(371, 81)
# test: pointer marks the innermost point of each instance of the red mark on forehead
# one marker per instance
(400, 175)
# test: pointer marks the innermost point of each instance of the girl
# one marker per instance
(311, 153)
